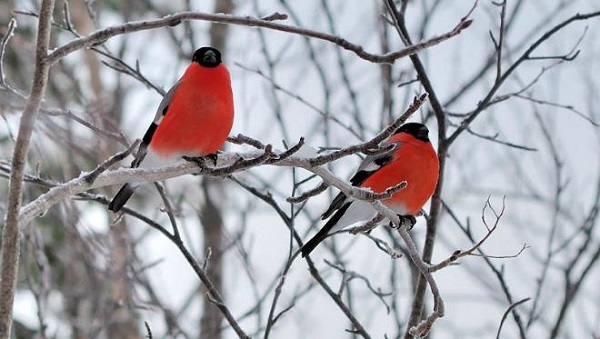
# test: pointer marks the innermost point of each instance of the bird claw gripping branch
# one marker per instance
(403, 219)
(201, 161)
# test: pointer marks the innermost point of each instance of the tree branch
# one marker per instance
(11, 233)
(101, 36)
(524, 57)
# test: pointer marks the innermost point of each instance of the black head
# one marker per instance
(415, 129)
(207, 57)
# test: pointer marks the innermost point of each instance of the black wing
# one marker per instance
(161, 111)
(127, 190)
(369, 165)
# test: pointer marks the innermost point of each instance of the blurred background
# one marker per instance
(532, 137)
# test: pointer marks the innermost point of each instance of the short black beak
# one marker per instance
(423, 133)
(209, 57)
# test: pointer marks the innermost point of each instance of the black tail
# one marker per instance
(121, 198)
(324, 232)
(313, 242)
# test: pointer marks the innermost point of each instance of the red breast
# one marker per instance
(415, 162)
(200, 114)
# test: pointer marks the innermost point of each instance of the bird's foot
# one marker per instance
(214, 157)
(411, 221)
(202, 161)
(197, 160)
(405, 218)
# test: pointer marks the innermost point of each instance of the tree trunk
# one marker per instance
(212, 222)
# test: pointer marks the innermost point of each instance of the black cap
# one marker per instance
(415, 129)
(207, 57)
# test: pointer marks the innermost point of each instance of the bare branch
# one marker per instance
(278, 87)
(419, 296)
(359, 329)
(524, 57)
(102, 36)
(373, 143)
(498, 272)
(494, 138)
(241, 139)
(91, 177)
(499, 45)
(569, 108)
(459, 254)
(348, 276)
(308, 194)
(211, 292)
(369, 225)
(148, 331)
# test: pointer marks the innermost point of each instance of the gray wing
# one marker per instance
(373, 163)
(161, 111)
(368, 166)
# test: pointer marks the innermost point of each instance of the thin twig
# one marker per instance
(348, 275)
(12, 24)
(148, 331)
(553, 104)
(495, 139)
(368, 226)
(308, 194)
(507, 312)
(418, 101)
(241, 139)
(490, 230)
(168, 209)
(359, 329)
(296, 96)
(91, 177)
